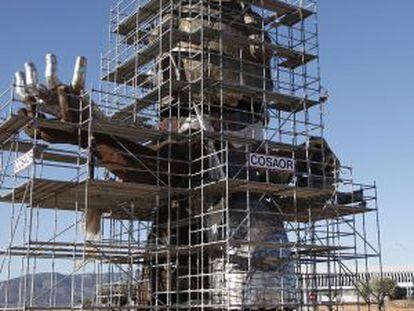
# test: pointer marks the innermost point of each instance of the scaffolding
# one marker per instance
(199, 166)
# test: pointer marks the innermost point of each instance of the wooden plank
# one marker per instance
(60, 157)
(17, 146)
(276, 100)
(142, 15)
(115, 129)
(12, 126)
(279, 101)
(292, 58)
(101, 126)
(152, 97)
(318, 212)
(282, 190)
(288, 14)
(125, 72)
(88, 253)
(313, 210)
(283, 9)
(293, 18)
(107, 196)
(43, 152)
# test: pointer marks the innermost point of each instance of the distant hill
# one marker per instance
(42, 288)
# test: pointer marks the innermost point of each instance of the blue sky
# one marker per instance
(367, 65)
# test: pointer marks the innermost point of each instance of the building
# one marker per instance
(345, 286)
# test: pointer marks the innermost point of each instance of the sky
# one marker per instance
(366, 57)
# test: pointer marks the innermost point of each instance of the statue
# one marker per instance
(254, 273)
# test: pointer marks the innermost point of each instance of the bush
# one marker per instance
(377, 289)
(399, 293)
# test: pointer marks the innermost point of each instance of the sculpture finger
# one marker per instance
(51, 72)
(79, 74)
(92, 224)
(20, 86)
(31, 74)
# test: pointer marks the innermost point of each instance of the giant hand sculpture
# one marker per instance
(126, 159)
(57, 99)
(67, 103)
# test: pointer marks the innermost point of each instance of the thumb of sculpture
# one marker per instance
(79, 74)
(20, 86)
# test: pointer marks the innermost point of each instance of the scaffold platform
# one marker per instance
(289, 14)
(106, 196)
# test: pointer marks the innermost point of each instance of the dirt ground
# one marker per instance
(396, 305)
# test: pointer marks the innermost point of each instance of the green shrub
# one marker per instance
(377, 289)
